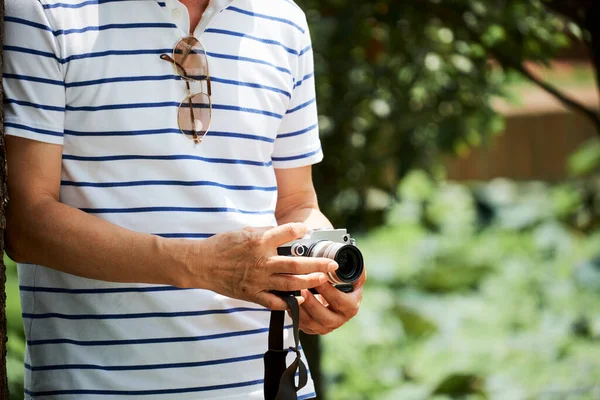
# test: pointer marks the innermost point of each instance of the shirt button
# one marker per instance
(176, 13)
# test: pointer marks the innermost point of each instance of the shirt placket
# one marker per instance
(177, 13)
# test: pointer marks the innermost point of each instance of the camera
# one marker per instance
(335, 244)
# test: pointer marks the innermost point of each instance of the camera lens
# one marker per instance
(350, 261)
(348, 257)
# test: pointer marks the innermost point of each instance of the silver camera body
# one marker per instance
(299, 246)
(335, 244)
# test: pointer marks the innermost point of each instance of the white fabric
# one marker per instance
(86, 75)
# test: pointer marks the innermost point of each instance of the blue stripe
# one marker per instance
(143, 367)
(101, 290)
(244, 109)
(173, 209)
(161, 78)
(129, 106)
(162, 4)
(185, 235)
(113, 53)
(298, 157)
(241, 136)
(123, 133)
(182, 339)
(249, 84)
(141, 79)
(306, 77)
(30, 51)
(271, 18)
(89, 28)
(124, 106)
(305, 50)
(257, 39)
(301, 132)
(168, 131)
(28, 23)
(78, 317)
(307, 396)
(247, 59)
(136, 52)
(168, 183)
(301, 106)
(115, 26)
(34, 105)
(143, 392)
(79, 5)
(168, 158)
(33, 79)
(87, 55)
(123, 79)
(30, 129)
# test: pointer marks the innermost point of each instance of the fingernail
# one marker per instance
(323, 278)
(332, 266)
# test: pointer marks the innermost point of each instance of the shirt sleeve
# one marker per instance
(298, 143)
(33, 80)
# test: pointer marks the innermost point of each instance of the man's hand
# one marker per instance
(244, 265)
(320, 315)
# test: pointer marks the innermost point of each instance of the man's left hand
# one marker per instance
(320, 315)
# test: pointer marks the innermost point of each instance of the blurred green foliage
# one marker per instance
(16, 333)
(483, 291)
(401, 82)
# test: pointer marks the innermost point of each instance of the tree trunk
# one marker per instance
(3, 338)
(591, 22)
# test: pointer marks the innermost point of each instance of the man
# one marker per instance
(113, 179)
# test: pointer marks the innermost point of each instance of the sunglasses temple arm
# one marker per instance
(179, 66)
(192, 117)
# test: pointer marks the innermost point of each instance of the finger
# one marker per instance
(291, 283)
(308, 325)
(360, 282)
(271, 301)
(285, 233)
(346, 304)
(300, 265)
(325, 318)
(321, 300)
(258, 229)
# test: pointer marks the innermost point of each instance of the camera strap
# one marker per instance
(280, 383)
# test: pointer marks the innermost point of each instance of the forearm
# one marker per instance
(60, 237)
(309, 214)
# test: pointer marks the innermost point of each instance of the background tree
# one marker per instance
(401, 82)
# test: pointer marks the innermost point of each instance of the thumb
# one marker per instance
(285, 233)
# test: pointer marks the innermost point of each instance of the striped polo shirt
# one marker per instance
(86, 75)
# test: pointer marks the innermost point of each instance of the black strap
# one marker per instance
(280, 383)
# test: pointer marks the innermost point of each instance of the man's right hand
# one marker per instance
(244, 265)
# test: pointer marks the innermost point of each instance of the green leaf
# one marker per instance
(585, 159)
(415, 324)
(443, 278)
(459, 385)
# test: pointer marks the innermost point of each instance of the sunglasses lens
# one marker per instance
(190, 55)
(194, 116)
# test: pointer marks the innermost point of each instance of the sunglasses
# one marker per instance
(191, 63)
